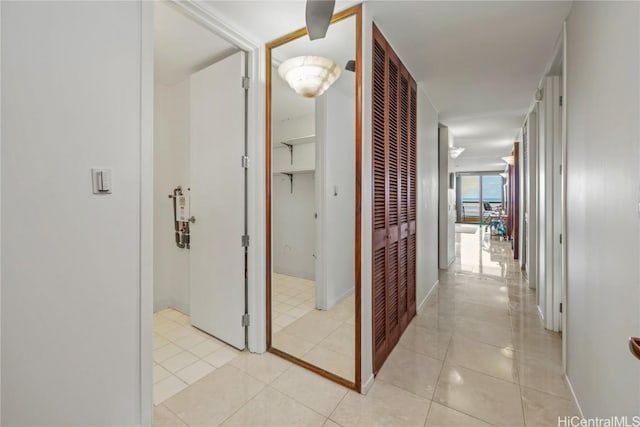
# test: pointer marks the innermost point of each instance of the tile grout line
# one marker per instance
(338, 405)
(435, 388)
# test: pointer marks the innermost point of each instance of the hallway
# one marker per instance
(476, 354)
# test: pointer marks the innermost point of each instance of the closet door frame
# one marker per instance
(355, 11)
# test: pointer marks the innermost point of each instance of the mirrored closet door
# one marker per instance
(313, 198)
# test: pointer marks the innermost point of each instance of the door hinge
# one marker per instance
(246, 83)
(245, 162)
(245, 241)
(561, 100)
(560, 169)
(560, 238)
(560, 307)
(246, 320)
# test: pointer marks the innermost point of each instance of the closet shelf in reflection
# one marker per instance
(299, 140)
(293, 171)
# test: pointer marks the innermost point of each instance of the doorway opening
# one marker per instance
(481, 197)
(200, 200)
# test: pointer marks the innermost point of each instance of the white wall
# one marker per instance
(428, 194)
(293, 222)
(71, 260)
(447, 201)
(171, 168)
(603, 171)
(294, 127)
(294, 233)
(335, 186)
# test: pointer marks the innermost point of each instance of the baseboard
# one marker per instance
(426, 298)
(161, 305)
(573, 393)
(446, 267)
(366, 386)
(335, 301)
(294, 273)
(181, 307)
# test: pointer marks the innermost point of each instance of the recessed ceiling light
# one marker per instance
(455, 151)
(508, 160)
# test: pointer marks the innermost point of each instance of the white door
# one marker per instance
(217, 258)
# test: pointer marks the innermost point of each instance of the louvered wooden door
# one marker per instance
(394, 198)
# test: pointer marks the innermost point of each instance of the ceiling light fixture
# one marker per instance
(508, 159)
(455, 151)
(309, 76)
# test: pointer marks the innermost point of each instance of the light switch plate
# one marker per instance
(101, 180)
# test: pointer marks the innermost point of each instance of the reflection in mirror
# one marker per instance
(313, 199)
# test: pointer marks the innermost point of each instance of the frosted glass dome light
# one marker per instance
(309, 76)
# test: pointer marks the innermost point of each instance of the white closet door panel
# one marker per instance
(217, 265)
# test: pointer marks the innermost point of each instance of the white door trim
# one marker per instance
(210, 19)
(564, 198)
(146, 211)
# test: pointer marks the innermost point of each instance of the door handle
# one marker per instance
(634, 346)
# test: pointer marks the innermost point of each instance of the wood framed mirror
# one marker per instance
(313, 203)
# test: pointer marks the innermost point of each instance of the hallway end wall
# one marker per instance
(603, 164)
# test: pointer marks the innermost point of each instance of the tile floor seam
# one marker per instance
(475, 417)
(405, 390)
(245, 403)
(339, 403)
(426, 418)
(483, 373)
(307, 406)
(184, 367)
(176, 415)
(524, 416)
(444, 404)
(256, 378)
(555, 396)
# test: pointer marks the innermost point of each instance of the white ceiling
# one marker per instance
(478, 61)
(339, 45)
(182, 46)
(267, 20)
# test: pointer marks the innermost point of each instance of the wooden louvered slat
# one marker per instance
(392, 288)
(393, 142)
(379, 297)
(404, 146)
(378, 116)
(411, 266)
(402, 277)
(411, 244)
(413, 143)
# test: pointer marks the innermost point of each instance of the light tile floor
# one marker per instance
(323, 338)
(291, 298)
(182, 354)
(475, 355)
